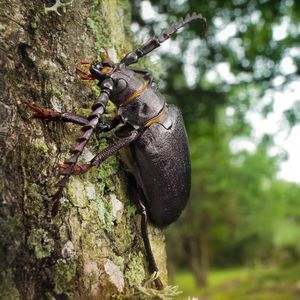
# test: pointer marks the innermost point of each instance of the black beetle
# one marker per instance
(153, 130)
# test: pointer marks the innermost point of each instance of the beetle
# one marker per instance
(153, 131)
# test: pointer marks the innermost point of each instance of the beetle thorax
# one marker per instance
(126, 85)
(137, 101)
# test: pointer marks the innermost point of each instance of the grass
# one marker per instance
(264, 283)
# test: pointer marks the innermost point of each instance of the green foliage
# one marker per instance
(247, 284)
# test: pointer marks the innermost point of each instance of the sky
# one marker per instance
(286, 139)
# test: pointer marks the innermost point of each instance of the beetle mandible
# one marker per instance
(153, 131)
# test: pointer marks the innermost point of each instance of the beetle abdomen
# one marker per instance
(162, 167)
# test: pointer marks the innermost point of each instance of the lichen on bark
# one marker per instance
(93, 249)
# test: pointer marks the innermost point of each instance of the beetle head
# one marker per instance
(102, 70)
(99, 71)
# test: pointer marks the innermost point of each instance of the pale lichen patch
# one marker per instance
(76, 190)
(115, 275)
(91, 192)
(92, 276)
(104, 213)
(68, 250)
(117, 207)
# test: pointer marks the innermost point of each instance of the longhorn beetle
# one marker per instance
(153, 131)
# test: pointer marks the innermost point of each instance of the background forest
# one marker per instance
(240, 234)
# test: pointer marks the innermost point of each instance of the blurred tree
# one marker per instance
(251, 176)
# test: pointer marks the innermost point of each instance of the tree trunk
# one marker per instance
(203, 246)
(199, 267)
(197, 250)
(93, 249)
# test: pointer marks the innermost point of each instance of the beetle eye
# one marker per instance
(106, 69)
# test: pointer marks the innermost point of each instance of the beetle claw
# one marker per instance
(84, 73)
(87, 77)
(84, 62)
(42, 113)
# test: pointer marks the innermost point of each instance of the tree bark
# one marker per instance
(93, 249)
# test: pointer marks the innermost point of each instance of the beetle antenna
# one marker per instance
(106, 57)
(155, 42)
(165, 34)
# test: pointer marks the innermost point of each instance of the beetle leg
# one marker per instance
(71, 168)
(42, 113)
(137, 197)
(51, 115)
(102, 156)
(144, 228)
(110, 150)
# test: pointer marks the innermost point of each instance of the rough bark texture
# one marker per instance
(93, 249)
